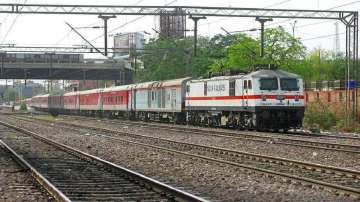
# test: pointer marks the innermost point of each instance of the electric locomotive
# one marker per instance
(264, 99)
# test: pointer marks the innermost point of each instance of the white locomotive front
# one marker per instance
(259, 100)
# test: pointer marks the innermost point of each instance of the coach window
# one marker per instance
(188, 88)
(249, 84)
(269, 84)
(232, 88)
(245, 84)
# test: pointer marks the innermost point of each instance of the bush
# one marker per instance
(318, 115)
(23, 107)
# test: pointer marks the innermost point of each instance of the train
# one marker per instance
(42, 58)
(261, 99)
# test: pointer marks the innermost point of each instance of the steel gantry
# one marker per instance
(349, 18)
(155, 10)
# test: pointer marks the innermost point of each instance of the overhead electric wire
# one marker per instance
(89, 25)
(64, 37)
(331, 8)
(97, 22)
(322, 36)
(311, 24)
(131, 21)
(12, 25)
(269, 6)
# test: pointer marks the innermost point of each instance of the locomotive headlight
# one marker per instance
(263, 97)
(297, 98)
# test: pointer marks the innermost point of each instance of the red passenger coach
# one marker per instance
(71, 102)
(115, 100)
(90, 101)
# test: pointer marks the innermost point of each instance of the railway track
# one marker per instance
(350, 148)
(339, 180)
(204, 130)
(17, 181)
(71, 175)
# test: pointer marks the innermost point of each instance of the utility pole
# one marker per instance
(196, 19)
(262, 22)
(105, 19)
(337, 41)
(293, 28)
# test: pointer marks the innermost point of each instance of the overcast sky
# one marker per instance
(51, 30)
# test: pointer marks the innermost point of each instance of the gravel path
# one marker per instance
(221, 182)
(320, 156)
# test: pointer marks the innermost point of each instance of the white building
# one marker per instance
(128, 47)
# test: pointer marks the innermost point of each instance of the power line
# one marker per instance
(135, 4)
(127, 23)
(322, 36)
(269, 6)
(311, 24)
(338, 6)
(63, 38)
(12, 25)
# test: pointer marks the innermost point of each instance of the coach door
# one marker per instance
(173, 98)
(245, 101)
(133, 99)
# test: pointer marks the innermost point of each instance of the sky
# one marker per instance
(51, 30)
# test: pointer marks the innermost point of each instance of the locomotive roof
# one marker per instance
(257, 74)
(272, 73)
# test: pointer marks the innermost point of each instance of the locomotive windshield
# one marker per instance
(289, 84)
(268, 84)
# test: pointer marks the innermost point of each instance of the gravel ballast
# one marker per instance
(217, 181)
(313, 155)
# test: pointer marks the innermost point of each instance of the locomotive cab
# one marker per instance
(280, 103)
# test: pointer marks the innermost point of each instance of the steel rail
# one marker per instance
(254, 157)
(201, 130)
(40, 179)
(260, 138)
(171, 192)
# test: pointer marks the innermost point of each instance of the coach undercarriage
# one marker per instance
(259, 119)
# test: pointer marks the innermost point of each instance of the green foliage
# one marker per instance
(282, 49)
(325, 66)
(168, 58)
(9, 94)
(23, 107)
(318, 115)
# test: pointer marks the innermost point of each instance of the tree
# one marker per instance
(9, 94)
(169, 58)
(282, 49)
(325, 65)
